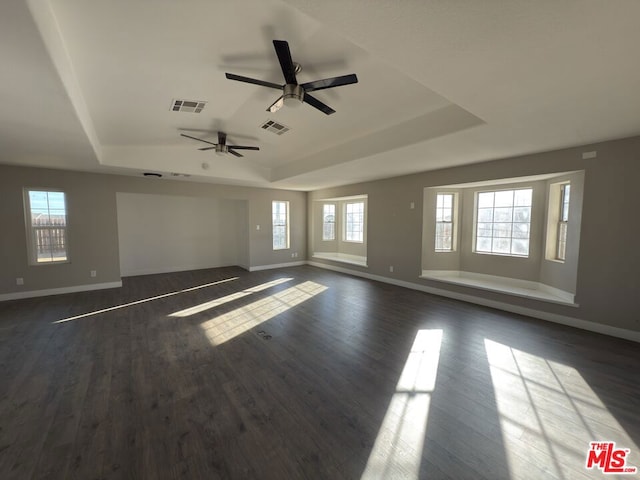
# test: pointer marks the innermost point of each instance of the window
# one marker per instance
(503, 222)
(444, 222)
(46, 222)
(354, 222)
(563, 219)
(280, 216)
(328, 221)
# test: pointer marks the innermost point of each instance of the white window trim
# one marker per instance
(454, 222)
(335, 209)
(344, 223)
(30, 233)
(475, 221)
(287, 225)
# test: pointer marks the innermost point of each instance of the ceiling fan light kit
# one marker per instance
(222, 147)
(294, 93)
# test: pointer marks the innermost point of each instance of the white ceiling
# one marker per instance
(89, 85)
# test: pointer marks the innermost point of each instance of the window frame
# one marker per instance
(286, 225)
(563, 221)
(345, 229)
(31, 230)
(511, 238)
(453, 221)
(325, 223)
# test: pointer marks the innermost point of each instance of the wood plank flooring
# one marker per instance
(301, 373)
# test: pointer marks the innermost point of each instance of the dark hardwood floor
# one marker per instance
(302, 373)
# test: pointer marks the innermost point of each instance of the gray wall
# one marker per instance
(169, 233)
(607, 283)
(93, 225)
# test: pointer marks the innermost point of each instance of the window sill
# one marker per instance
(342, 258)
(509, 286)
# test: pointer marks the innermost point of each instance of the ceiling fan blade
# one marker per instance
(240, 78)
(222, 138)
(277, 105)
(330, 83)
(232, 152)
(206, 148)
(314, 102)
(242, 147)
(199, 139)
(286, 63)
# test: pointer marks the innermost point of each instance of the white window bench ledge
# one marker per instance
(509, 286)
(342, 257)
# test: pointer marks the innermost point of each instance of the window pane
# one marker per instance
(520, 247)
(485, 199)
(501, 245)
(485, 229)
(444, 221)
(485, 215)
(280, 224)
(503, 214)
(354, 222)
(504, 228)
(328, 222)
(522, 214)
(522, 198)
(520, 230)
(483, 244)
(504, 198)
(47, 231)
(562, 241)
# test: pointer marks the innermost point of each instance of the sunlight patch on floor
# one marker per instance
(549, 415)
(228, 298)
(222, 328)
(397, 451)
(144, 300)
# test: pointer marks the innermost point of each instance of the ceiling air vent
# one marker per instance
(190, 106)
(275, 127)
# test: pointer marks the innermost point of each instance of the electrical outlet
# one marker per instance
(257, 227)
(19, 281)
(93, 273)
(412, 205)
(391, 268)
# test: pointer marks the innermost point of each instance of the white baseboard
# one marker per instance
(59, 291)
(530, 312)
(277, 265)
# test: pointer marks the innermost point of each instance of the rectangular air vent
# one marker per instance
(275, 127)
(190, 106)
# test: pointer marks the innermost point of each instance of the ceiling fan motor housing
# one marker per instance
(292, 94)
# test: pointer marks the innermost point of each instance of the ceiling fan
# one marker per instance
(221, 147)
(292, 92)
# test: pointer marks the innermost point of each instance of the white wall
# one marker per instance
(167, 233)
